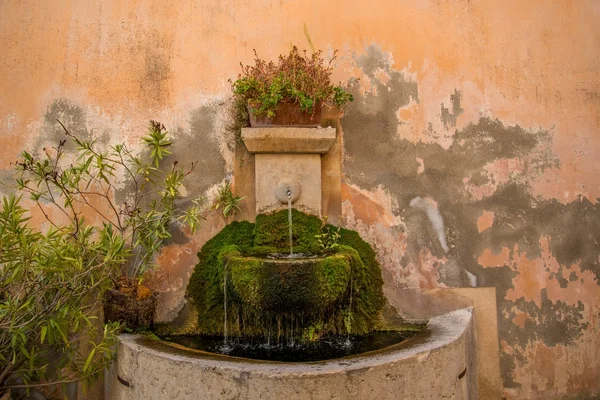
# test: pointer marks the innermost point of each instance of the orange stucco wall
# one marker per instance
(521, 215)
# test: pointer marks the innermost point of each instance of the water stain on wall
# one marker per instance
(449, 117)
(201, 144)
(487, 169)
(72, 116)
(156, 78)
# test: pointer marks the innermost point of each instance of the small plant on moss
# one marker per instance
(329, 236)
(227, 201)
(312, 333)
(296, 78)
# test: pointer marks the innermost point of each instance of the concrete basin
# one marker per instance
(439, 363)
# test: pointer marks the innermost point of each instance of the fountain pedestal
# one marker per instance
(288, 154)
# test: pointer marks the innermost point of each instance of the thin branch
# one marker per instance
(86, 202)
(5, 372)
(46, 215)
(34, 385)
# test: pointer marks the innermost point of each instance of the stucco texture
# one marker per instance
(470, 154)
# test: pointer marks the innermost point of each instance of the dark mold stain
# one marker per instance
(521, 219)
(178, 237)
(447, 117)
(7, 184)
(371, 121)
(507, 364)
(199, 144)
(73, 117)
(377, 156)
(555, 322)
(154, 83)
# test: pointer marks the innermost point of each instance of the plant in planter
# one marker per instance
(141, 223)
(290, 92)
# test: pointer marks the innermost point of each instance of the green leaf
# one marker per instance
(62, 335)
(43, 334)
(24, 351)
(89, 359)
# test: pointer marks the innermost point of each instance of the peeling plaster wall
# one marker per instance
(470, 153)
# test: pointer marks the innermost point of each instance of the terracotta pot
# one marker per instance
(287, 114)
(128, 309)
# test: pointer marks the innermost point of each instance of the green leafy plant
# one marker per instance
(49, 286)
(329, 236)
(227, 201)
(238, 118)
(52, 281)
(297, 78)
(88, 185)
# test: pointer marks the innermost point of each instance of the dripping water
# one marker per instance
(225, 348)
(289, 196)
(348, 343)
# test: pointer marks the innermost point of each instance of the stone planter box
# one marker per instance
(287, 114)
(288, 140)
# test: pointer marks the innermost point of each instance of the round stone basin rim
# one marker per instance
(444, 330)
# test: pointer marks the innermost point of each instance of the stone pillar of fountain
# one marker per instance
(288, 157)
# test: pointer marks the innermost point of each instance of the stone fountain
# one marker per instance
(239, 290)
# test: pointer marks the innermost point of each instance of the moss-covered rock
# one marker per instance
(338, 292)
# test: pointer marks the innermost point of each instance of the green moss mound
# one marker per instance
(309, 286)
(271, 232)
(336, 293)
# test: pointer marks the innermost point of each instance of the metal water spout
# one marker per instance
(287, 189)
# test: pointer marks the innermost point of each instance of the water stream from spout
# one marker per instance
(225, 306)
(289, 196)
(349, 325)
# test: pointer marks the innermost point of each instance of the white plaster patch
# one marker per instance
(434, 216)
(9, 122)
(421, 166)
(213, 192)
(472, 279)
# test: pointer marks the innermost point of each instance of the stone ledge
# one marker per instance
(288, 139)
(429, 366)
(419, 304)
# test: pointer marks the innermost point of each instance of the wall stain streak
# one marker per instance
(449, 118)
(552, 248)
